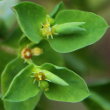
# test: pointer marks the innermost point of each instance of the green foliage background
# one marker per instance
(92, 62)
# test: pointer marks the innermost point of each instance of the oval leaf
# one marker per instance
(30, 16)
(76, 91)
(7, 76)
(29, 104)
(10, 71)
(22, 87)
(95, 28)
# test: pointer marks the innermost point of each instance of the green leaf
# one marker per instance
(9, 73)
(30, 16)
(95, 28)
(48, 55)
(25, 105)
(4, 58)
(75, 92)
(22, 86)
(57, 9)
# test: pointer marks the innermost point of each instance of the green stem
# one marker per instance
(8, 49)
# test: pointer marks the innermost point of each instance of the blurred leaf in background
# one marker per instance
(88, 5)
(97, 5)
(6, 13)
(3, 30)
(9, 47)
(100, 98)
(86, 62)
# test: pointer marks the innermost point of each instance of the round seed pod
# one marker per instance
(44, 85)
(69, 28)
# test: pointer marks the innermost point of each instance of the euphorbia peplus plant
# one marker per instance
(24, 79)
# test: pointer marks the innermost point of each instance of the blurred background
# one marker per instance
(92, 62)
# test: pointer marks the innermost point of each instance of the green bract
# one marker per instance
(95, 28)
(57, 83)
(56, 10)
(23, 86)
(76, 90)
(30, 17)
(8, 74)
(60, 32)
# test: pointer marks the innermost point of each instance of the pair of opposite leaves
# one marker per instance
(63, 84)
(31, 17)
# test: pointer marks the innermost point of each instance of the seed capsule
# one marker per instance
(69, 28)
(37, 51)
(44, 85)
(27, 53)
